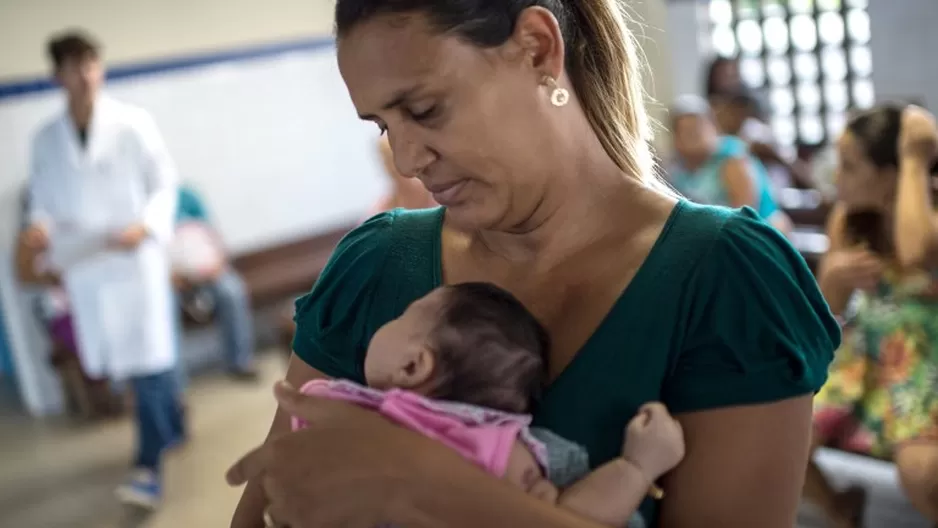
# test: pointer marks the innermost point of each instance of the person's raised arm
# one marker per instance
(916, 235)
(250, 510)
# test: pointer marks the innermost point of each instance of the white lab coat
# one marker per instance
(121, 301)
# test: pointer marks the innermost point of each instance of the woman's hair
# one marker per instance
(877, 133)
(602, 58)
(490, 350)
(710, 83)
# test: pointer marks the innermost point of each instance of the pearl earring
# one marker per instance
(558, 96)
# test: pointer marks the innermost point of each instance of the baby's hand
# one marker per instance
(654, 441)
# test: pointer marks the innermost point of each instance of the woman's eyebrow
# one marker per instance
(397, 100)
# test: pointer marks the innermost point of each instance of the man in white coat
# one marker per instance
(103, 197)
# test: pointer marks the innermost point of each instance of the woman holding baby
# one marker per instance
(525, 120)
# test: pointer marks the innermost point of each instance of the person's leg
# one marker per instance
(182, 375)
(237, 324)
(158, 421)
(917, 463)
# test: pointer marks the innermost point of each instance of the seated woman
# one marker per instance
(882, 395)
(718, 170)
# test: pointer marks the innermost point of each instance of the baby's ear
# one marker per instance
(417, 368)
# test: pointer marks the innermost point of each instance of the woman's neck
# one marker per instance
(575, 214)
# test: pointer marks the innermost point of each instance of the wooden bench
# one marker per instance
(276, 272)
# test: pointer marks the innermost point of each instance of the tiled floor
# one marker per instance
(57, 476)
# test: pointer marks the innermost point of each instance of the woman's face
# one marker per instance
(726, 76)
(695, 137)
(467, 122)
(860, 184)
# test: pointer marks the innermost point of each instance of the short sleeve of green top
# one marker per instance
(723, 312)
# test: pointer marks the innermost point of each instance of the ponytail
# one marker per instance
(606, 71)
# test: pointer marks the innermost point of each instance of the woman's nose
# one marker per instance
(411, 157)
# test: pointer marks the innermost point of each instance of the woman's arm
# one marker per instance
(26, 269)
(738, 182)
(836, 295)
(351, 467)
(744, 467)
(250, 510)
(915, 231)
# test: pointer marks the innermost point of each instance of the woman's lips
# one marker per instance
(447, 194)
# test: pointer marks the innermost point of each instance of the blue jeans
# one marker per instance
(233, 310)
(159, 416)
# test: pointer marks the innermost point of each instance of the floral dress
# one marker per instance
(882, 389)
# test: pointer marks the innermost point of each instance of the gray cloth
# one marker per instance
(568, 462)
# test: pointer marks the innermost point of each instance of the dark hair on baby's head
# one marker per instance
(71, 45)
(491, 351)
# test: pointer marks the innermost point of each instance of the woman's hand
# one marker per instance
(918, 137)
(852, 269)
(344, 470)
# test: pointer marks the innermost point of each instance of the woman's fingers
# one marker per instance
(251, 466)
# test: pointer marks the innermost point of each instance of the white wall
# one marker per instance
(132, 30)
(904, 43)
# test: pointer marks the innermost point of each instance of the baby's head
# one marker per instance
(471, 343)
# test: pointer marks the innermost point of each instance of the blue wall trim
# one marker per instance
(18, 88)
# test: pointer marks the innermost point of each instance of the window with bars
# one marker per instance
(810, 59)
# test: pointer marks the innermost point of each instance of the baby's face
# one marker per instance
(399, 351)
(524, 471)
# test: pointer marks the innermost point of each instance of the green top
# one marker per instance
(738, 319)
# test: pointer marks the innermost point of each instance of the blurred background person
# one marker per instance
(740, 112)
(103, 192)
(881, 398)
(716, 169)
(208, 285)
(87, 396)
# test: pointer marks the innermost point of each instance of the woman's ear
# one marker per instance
(416, 369)
(537, 32)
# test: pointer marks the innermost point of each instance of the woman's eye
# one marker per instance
(382, 129)
(426, 114)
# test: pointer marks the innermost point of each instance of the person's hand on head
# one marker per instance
(132, 236)
(332, 471)
(36, 237)
(654, 441)
(853, 269)
(918, 138)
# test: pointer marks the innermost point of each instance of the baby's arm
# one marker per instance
(609, 495)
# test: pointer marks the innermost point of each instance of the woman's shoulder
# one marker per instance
(733, 244)
(374, 272)
(755, 326)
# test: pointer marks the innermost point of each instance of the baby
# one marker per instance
(464, 365)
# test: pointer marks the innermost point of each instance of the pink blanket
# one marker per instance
(484, 436)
